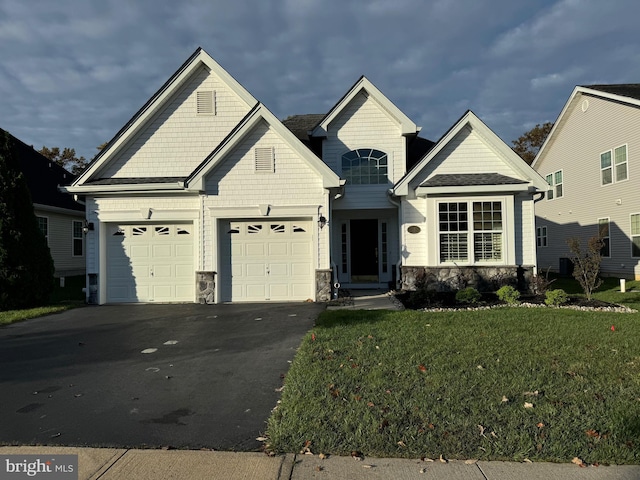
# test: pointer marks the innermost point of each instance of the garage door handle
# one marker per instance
(268, 271)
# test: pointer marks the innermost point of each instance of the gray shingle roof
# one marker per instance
(300, 125)
(470, 179)
(631, 90)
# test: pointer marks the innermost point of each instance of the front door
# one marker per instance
(364, 251)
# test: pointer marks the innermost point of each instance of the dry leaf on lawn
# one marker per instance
(443, 460)
(470, 461)
(528, 405)
(577, 461)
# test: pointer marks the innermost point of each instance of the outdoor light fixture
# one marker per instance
(88, 227)
(322, 221)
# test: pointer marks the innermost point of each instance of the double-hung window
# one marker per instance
(541, 236)
(78, 239)
(470, 232)
(43, 225)
(614, 165)
(556, 183)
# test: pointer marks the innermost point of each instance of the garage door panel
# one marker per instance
(279, 291)
(255, 270)
(255, 291)
(300, 269)
(300, 249)
(163, 271)
(254, 250)
(278, 248)
(160, 251)
(150, 263)
(301, 291)
(139, 251)
(278, 269)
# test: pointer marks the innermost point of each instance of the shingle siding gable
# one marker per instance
(177, 139)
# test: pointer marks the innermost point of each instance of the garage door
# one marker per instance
(268, 260)
(150, 263)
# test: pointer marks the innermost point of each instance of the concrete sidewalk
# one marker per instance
(117, 464)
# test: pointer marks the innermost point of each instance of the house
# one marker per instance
(590, 160)
(205, 196)
(60, 218)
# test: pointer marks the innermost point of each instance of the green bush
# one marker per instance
(508, 294)
(468, 295)
(556, 297)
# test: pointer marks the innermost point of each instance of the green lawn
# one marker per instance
(62, 298)
(503, 384)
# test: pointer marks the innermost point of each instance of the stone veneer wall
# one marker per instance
(323, 285)
(206, 287)
(483, 278)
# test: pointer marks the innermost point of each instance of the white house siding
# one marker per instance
(468, 152)
(60, 241)
(575, 149)
(414, 245)
(365, 124)
(235, 190)
(525, 235)
(178, 139)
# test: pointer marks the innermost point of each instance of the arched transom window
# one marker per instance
(365, 166)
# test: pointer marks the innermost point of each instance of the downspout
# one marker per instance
(399, 262)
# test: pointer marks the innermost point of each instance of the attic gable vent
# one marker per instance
(264, 158)
(206, 102)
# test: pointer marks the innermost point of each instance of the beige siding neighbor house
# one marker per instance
(591, 162)
(205, 196)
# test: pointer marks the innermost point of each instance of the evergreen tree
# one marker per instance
(26, 267)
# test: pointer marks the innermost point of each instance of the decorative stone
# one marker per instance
(483, 278)
(206, 287)
(323, 285)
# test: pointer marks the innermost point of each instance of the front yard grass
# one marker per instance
(505, 384)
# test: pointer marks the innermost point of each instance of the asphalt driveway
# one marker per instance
(185, 376)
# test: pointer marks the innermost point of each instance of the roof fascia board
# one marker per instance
(176, 187)
(407, 126)
(260, 112)
(158, 100)
(61, 210)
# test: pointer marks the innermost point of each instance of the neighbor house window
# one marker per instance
(541, 236)
(604, 235)
(613, 165)
(78, 239)
(43, 225)
(365, 166)
(470, 230)
(556, 183)
(635, 235)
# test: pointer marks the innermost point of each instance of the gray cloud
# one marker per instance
(73, 72)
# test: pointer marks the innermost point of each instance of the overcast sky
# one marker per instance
(73, 72)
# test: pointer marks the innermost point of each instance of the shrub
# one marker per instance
(508, 294)
(586, 264)
(468, 295)
(556, 297)
(540, 284)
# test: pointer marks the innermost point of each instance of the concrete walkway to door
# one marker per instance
(367, 300)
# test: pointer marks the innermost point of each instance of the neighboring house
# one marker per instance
(204, 195)
(60, 218)
(591, 162)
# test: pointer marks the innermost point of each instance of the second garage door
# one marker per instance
(267, 261)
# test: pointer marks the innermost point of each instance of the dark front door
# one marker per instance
(364, 251)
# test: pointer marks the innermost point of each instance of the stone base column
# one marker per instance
(323, 285)
(206, 287)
